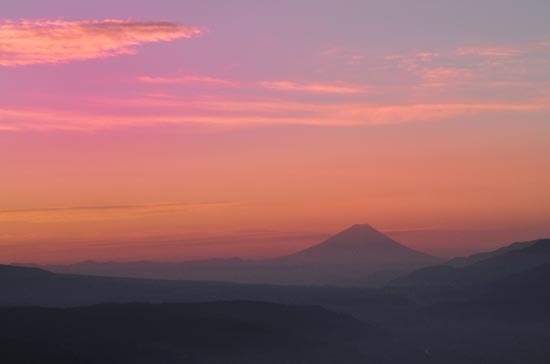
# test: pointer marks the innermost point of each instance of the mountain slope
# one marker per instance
(475, 258)
(495, 267)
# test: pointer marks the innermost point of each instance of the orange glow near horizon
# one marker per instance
(80, 202)
(221, 136)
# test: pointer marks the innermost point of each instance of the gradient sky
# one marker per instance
(172, 130)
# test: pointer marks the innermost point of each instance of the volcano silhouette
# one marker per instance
(351, 257)
(359, 244)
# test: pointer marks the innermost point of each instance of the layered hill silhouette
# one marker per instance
(492, 309)
(22, 286)
(465, 261)
(521, 257)
(359, 255)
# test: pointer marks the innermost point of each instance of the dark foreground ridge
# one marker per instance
(219, 332)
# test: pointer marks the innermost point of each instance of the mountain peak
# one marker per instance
(362, 227)
(358, 244)
(360, 235)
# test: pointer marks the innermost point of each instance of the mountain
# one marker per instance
(215, 332)
(360, 245)
(358, 256)
(496, 266)
(499, 314)
(464, 261)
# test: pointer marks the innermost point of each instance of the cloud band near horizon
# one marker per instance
(235, 112)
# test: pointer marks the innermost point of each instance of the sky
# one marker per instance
(177, 130)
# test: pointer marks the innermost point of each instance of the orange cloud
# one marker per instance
(331, 88)
(91, 213)
(27, 42)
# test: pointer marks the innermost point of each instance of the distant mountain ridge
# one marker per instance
(21, 286)
(359, 255)
(496, 266)
(464, 261)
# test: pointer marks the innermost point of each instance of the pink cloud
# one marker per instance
(344, 54)
(245, 111)
(442, 76)
(427, 56)
(489, 51)
(188, 80)
(27, 42)
(328, 88)
(415, 63)
(287, 86)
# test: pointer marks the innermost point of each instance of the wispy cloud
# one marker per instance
(489, 51)
(254, 111)
(344, 54)
(476, 67)
(337, 87)
(443, 76)
(415, 57)
(92, 213)
(188, 80)
(324, 88)
(27, 42)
